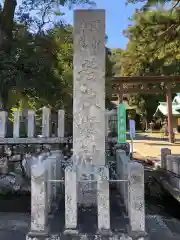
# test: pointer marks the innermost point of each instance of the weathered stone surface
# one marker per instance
(46, 116)
(89, 85)
(136, 196)
(87, 190)
(123, 146)
(61, 115)
(70, 198)
(103, 198)
(164, 153)
(3, 124)
(122, 161)
(16, 124)
(38, 198)
(173, 164)
(31, 123)
(169, 163)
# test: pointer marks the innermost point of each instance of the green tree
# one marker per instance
(150, 51)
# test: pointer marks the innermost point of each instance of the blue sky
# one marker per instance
(117, 14)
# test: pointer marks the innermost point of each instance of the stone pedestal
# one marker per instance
(86, 185)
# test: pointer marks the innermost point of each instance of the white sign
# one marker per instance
(132, 128)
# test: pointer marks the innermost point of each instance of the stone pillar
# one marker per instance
(46, 116)
(16, 124)
(70, 201)
(39, 213)
(89, 85)
(173, 164)
(3, 124)
(61, 123)
(3, 131)
(103, 200)
(31, 123)
(169, 163)
(136, 197)
(164, 153)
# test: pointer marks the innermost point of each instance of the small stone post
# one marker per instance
(164, 153)
(3, 131)
(39, 213)
(46, 115)
(103, 200)
(16, 125)
(175, 163)
(169, 164)
(136, 197)
(70, 201)
(31, 124)
(3, 124)
(61, 114)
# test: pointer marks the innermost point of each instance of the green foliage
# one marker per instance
(153, 49)
(36, 64)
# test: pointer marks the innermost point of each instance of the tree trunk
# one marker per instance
(6, 24)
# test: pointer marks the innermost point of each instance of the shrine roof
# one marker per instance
(175, 107)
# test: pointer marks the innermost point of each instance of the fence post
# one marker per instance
(46, 115)
(103, 200)
(3, 131)
(61, 114)
(136, 197)
(31, 124)
(16, 124)
(164, 153)
(70, 201)
(3, 124)
(39, 213)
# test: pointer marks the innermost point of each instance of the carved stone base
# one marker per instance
(71, 232)
(33, 235)
(104, 232)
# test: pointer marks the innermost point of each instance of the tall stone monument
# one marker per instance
(89, 100)
(89, 86)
